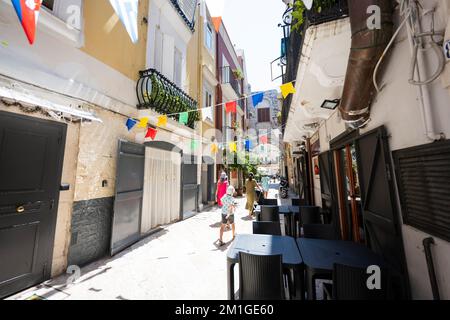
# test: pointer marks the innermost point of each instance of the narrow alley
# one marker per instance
(181, 261)
(136, 137)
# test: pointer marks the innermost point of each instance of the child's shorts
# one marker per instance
(230, 219)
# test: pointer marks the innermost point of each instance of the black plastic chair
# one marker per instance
(319, 231)
(260, 277)
(350, 283)
(269, 214)
(310, 215)
(266, 227)
(268, 202)
(298, 202)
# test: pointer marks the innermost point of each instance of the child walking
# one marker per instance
(228, 208)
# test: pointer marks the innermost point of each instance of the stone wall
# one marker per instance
(91, 230)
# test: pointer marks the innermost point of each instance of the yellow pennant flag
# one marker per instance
(287, 89)
(162, 121)
(233, 146)
(143, 123)
(214, 148)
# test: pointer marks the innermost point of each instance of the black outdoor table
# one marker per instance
(265, 245)
(319, 256)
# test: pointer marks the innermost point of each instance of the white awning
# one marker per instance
(30, 99)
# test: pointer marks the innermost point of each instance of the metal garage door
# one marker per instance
(126, 224)
(162, 185)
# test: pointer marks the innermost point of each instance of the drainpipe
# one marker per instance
(427, 242)
(366, 50)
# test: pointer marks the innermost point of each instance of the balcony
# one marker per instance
(155, 91)
(294, 40)
(230, 83)
(186, 9)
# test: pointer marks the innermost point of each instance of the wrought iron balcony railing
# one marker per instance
(186, 9)
(335, 10)
(155, 91)
(227, 76)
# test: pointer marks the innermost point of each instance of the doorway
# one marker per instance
(349, 191)
(31, 161)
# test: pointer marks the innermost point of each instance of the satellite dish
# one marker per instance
(308, 4)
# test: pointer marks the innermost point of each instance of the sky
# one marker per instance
(253, 27)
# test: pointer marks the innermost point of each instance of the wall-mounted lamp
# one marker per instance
(331, 104)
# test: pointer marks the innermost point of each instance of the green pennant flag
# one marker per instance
(194, 145)
(184, 117)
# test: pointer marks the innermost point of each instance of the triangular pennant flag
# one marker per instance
(151, 133)
(214, 148)
(264, 139)
(194, 144)
(143, 123)
(184, 117)
(162, 121)
(28, 13)
(248, 145)
(131, 123)
(207, 113)
(287, 89)
(231, 107)
(257, 98)
(233, 146)
(127, 10)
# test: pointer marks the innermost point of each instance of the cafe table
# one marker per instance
(266, 245)
(319, 256)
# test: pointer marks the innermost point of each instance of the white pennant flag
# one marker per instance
(127, 10)
(207, 114)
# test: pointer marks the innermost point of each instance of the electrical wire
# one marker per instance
(403, 11)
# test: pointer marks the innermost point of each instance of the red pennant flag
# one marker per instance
(264, 140)
(151, 133)
(28, 12)
(231, 107)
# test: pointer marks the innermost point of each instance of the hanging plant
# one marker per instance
(298, 14)
(238, 74)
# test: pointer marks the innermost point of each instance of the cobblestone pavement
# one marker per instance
(182, 261)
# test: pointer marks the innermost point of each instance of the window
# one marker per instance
(48, 4)
(208, 102)
(158, 49)
(209, 38)
(177, 67)
(64, 18)
(424, 187)
(264, 115)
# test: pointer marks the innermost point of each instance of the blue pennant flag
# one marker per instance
(131, 123)
(248, 145)
(257, 98)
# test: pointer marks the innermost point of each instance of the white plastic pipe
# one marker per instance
(423, 91)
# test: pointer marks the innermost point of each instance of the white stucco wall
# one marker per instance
(397, 108)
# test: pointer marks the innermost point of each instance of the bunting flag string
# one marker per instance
(151, 133)
(231, 107)
(131, 123)
(287, 89)
(214, 148)
(184, 118)
(194, 144)
(162, 121)
(248, 145)
(233, 146)
(264, 140)
(257, 98)
(143, 123)
(28, 13)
